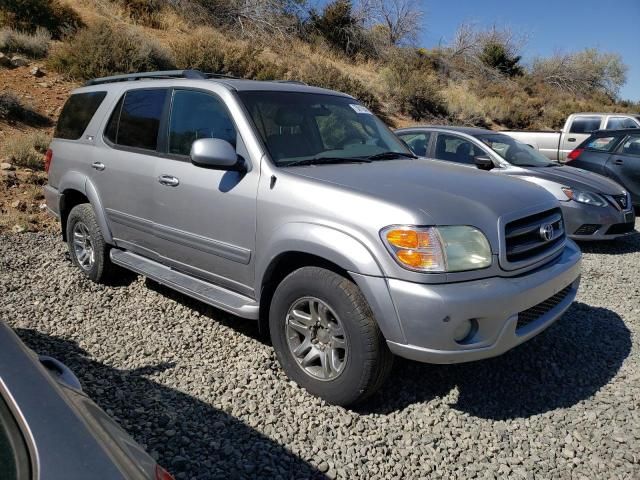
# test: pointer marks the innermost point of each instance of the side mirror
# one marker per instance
(483, 162)
(217, 154)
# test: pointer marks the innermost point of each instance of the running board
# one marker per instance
(206, 292)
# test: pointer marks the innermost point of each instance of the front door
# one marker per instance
(204, 219)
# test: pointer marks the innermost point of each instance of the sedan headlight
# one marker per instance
(438, 249)
(582, 196)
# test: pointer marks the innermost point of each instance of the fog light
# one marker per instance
(464, 330)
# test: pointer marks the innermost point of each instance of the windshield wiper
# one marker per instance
(391, 156)
(327, 160)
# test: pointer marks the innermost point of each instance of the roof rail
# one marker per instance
(295, 82)
(190, 74)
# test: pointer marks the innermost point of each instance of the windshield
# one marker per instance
(515, 152)
(300, 128)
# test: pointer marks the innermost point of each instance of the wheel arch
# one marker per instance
(75, 190)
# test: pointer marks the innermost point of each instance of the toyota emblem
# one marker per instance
(546, 232)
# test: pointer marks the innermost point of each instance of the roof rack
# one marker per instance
(190, 74)
(294, 82)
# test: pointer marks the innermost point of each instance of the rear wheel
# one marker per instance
(86, 244)
(326, 338)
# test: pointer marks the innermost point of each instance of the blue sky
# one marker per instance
(550, 26)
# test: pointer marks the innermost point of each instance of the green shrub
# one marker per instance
(102, 50)
(34, 45)
(27, 150)
(28, 15)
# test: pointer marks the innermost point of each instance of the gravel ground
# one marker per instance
(203, 392)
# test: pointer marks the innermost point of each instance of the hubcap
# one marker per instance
(316, 338)
(82, 246)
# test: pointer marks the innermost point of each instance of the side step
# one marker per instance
(206, 292)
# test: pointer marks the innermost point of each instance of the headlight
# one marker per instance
(582, 196)
(438, 249)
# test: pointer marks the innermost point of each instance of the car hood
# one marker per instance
(444, 193)
(573, 177)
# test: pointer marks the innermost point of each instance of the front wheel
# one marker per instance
(326, 338)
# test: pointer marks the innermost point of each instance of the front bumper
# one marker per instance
(427, 315)
(588, 222)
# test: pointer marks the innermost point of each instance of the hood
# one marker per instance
(440, 193)
(573, 177)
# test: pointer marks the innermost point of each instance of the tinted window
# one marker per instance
(136, 120)
(632, 145)
(514, 152)
(602, 144)
(197, 115)
(418, 142)
(77, 113)
(304, 126)
(615, 123)
(585, 124)
(456, 149)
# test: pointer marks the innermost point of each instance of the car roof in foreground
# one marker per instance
(611, 133)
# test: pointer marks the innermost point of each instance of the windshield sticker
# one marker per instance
(360, 109)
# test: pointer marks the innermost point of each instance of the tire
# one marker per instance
(299, 305)
(82, 221)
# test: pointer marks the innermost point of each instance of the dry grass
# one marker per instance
(34, 45)
(26, 150)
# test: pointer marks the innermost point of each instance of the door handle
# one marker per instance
(571, 139)
(98, 166)
(618, 161)
(168, 180)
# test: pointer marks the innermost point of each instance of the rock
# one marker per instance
(18, 61)
(6, 166)
(18, 229)
(5, 61)
(9, 179)
(37, 72)
(20, 205)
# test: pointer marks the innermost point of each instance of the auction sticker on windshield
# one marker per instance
(360, 108)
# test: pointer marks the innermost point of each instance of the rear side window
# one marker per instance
(585, 124)
(77, 113)
(615, 123)
(418, 142)
(14, 457)
(136, 119)
(602, 144)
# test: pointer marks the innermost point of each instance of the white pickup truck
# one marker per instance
(556, 145)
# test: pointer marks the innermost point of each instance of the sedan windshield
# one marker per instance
(514, 152)
(313, 128)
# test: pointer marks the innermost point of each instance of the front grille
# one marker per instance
(537, 311)
(587, 229)
(619, 228)
(524, 239)
(621, 201)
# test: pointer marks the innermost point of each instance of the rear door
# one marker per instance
(579, 130)
(624, 165)
(123, 171)
(205, 219)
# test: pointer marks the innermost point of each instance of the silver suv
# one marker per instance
(297, 207)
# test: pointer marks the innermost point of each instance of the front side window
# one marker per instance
(456, 149)
(632, 145)
(585, 124)
(298, 127)
(14, 457)
(77, 113)
(197, 115)
(418, 142)
(616, 123)
(515, 152)
(136, 119)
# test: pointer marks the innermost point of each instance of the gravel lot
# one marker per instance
(203, 391)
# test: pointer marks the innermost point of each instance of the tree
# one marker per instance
(495, 55)
(583, 73)
(400, 19)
